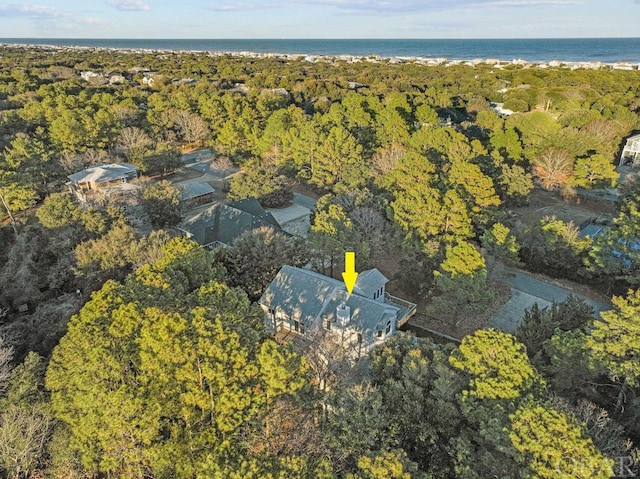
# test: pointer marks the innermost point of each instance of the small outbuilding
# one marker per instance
(194, 193)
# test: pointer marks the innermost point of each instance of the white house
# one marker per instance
(102, 179)
(631, 151)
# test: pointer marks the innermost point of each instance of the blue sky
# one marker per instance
(319, 18)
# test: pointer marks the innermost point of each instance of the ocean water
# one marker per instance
(606, 50)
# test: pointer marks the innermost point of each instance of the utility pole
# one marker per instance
(13, 220)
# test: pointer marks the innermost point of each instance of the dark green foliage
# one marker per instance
(265, 184)
(169, 368)
(253, 260)
(554, 247)
(539, 324)
(25, 421)
(161, 203)
(126, 377)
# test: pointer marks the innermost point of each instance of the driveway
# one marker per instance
(294, 219)
(525, 292)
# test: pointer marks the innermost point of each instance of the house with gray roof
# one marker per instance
(304, 303)
(195, 193)
(221, 224)
(113, 178)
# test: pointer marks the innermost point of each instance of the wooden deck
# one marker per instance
(284, 336)
(408, 308)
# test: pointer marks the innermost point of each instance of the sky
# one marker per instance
(319, 18)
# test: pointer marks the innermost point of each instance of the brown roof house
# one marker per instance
(98, 184)
(221, 224)
(303, 302)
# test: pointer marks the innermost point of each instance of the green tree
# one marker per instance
(496, 365)
(461, 284)
(539, 324)
(161, 203)
(254, 259)
(331, 234)
(112, 254)
(58, 210)
(514, 184)
(551, 245)
(596, 171)
(68, 130)
(265, 184)
(554, 445)
(615, 342)
(339, 161)
(507, 143)
(614, 253)
(167, 371)
(501, 244)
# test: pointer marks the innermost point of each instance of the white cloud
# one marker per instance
(128, 5)
(32, 11)
(532, 3)
(53, 18)
(398, 6)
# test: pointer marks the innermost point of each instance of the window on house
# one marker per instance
(359, 338)
(297, 326)
(379, 334)
(388, 329)
(326, 323)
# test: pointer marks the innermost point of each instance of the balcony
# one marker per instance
(407, 309)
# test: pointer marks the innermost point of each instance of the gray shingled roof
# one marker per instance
(306, 296)
(226, 223)
(103, 173)
(369, 281)
(367, 315)
(193, 189)
(301, 294)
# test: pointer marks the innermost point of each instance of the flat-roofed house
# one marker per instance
(303, 302)
(103, 178)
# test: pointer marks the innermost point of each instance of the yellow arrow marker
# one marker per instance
(349, 274)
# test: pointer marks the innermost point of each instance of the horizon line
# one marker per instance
(321, 38)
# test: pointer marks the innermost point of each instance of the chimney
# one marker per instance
(343, 315)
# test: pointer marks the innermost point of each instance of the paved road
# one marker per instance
(305, 201)
(527, 290)
(195, 156)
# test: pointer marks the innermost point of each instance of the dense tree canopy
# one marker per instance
(166, 371)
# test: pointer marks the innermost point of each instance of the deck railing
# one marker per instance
(409, 308)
